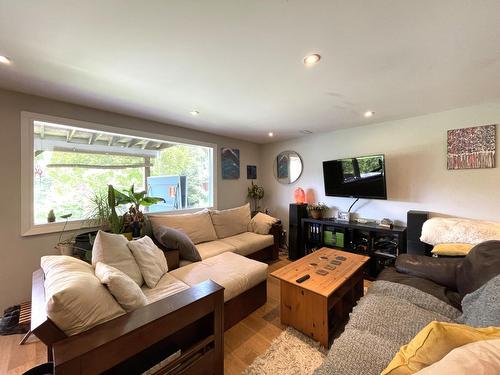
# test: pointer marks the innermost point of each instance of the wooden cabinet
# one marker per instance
(381, 244)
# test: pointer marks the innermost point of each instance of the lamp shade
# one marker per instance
(299, 196)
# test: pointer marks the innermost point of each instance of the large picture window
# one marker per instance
(71, 167)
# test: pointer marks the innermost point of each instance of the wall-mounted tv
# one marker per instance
(359, 177)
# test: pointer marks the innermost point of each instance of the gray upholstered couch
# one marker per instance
(406, 298)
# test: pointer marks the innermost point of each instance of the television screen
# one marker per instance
(360, 177)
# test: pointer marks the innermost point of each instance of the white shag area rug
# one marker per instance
(291, 353)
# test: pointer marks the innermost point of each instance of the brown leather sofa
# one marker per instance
(448, 279)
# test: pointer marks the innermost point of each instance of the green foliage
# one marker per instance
(115, 221)
(317, 207)
(255, 193)
(83, 191)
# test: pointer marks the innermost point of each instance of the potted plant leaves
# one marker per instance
(65, 247)
(132, 221)
(317, 210)
(255, 193)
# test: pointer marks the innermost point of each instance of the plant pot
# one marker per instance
(65, 248)
(136, 229)
(128, 235)
(317, 214)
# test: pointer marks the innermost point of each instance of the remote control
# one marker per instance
(302, 279)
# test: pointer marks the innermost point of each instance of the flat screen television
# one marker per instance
(359, 177)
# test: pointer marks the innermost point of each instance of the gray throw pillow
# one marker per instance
(481, 308)
(175, 239)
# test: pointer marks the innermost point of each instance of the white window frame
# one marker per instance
(28, 226)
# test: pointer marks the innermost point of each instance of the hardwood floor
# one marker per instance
(253, 335)
(242, 343)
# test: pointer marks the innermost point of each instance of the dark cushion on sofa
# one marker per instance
(478, 267)
(439, 291)
(172, 238)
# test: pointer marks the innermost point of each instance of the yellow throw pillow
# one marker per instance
(434, 342)
(452, 249)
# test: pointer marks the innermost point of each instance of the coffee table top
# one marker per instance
(324, 285)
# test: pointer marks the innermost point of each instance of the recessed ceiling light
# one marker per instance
(195, 113)
(270, 134)
(369, 113)
(4, 60)
(306, 132)
(312, 59)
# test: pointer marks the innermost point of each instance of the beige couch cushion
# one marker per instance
(75, 298)
(230, 222)
(213, 248)
(111, 249)
(197, 226)
(123, 288)
(262, 223)
(167, 286)
(150, 259)
(248, 242)
(234, 272)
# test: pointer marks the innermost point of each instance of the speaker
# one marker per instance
(297, 212)
(415, 220)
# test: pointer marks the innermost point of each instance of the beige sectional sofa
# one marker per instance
(216, 232)
(68, 290)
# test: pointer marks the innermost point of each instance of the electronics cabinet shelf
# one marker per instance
(381, 244)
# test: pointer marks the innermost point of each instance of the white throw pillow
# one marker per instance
(262, 223)
(122, 287)
(112, 249)
(75, 298)
(231, 222)
(197, 226)
(150, 258)
(480, 357)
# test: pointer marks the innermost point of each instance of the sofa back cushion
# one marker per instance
(230, 222)
(75, 298)
(478, 267)
(197, 226)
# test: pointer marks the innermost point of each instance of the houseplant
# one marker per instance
(317, 210)
(255, 193)
(65, 247)
(133, 219)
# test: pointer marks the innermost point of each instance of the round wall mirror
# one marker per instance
(287, 167)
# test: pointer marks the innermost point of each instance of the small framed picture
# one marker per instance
(251, 172)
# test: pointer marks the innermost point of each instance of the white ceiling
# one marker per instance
(239, 62)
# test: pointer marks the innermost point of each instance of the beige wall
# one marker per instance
(19, 256)
(417, 177)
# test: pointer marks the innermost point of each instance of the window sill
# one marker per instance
(73, 225)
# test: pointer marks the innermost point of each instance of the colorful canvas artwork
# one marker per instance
(472, 148)
(251, 172)
(230, 163)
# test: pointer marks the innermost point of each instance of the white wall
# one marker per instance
(417, 177)
(20, 256)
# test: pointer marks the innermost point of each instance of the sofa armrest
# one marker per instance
(120, 339)
(440, 270)
(276, 230)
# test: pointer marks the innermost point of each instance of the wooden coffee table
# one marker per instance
(318, 305)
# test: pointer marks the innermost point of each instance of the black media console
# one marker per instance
(381, 244)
